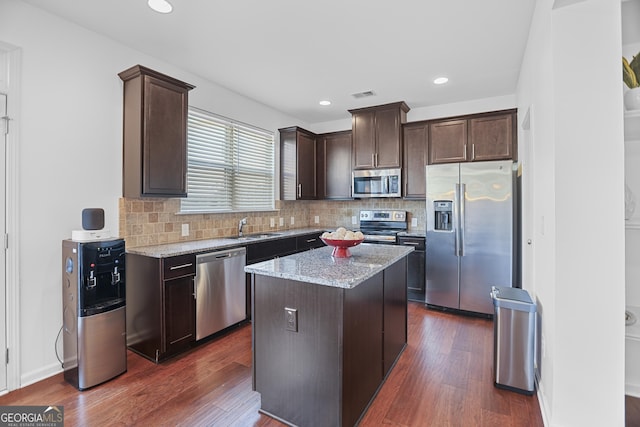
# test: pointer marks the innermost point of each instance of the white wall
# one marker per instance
(70, 126)
(570, 79)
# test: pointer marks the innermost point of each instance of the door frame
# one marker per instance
(12, 254)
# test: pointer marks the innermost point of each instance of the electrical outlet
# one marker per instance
(272, 222)
(293, 220)
(281, 222)
(354, 220)
(291, 319)
(185, 230)
(414, 222)
(316, 219)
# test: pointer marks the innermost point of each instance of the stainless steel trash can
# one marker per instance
(514, 339)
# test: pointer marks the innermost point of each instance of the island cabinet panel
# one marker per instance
(154, 134)
(362, 347)
(160, 305)
(296, 372)
(395, 313)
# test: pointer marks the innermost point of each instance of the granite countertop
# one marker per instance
(196, 246)
(319, 267)
(413, 233)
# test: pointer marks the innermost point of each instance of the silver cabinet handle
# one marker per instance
(373, 160)
(299, 190)
(465, 151)
(311, 240)
(473, 151)
(178, 267)
(411, 243)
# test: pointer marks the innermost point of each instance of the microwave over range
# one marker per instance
(376, 183)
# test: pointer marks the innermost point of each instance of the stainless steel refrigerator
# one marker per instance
(471, 237)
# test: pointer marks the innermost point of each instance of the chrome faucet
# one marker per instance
(242, 222)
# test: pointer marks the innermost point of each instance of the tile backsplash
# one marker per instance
(156, 221)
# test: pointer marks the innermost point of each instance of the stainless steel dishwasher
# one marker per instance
(221, 295)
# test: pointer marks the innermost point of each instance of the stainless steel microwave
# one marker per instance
(376, 183)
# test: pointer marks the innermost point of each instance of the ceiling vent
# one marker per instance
(365, 94)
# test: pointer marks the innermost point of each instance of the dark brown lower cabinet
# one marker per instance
(327, 371)
(160, 305)
(179, 313)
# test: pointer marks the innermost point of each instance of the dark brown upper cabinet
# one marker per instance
(478, 137)
(297, 164)
(492, 137)
(448, 141)
(154, 134)
(334, 165)
(377, 135)
(416, 146)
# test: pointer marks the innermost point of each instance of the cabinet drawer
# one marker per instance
(270, 249)
(309, 241)
(417, 242)
(178, 266)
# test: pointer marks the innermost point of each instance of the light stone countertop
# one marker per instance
(319, 267)
(197, 246)
(418, 232)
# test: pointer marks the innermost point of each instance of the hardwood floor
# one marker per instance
(443, 378)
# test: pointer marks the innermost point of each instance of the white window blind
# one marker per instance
(230, 165)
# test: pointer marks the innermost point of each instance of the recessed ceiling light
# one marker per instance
(161, 6)
(325, 102)
(441, 80)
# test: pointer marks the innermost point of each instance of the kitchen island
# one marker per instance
(327, 331)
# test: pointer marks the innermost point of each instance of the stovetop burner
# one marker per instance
(382, 225)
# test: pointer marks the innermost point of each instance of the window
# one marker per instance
(229, 165)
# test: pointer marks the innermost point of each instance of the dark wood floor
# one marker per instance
(443, 378)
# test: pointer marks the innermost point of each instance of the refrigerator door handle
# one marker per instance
(456, 215)
(461, 217)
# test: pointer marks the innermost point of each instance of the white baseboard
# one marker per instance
(542, 402)
(632, 390)
(39, 375)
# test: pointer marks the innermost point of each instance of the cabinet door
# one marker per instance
(335, 162)
(415, 161)
(164, 139)
(179, 313)
(363, 127)
(388, 133)
(491, 138)
(448, 142)
(306, 166)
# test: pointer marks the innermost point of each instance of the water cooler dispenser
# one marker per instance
(93, 294)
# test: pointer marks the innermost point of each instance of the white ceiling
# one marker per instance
(290, 54)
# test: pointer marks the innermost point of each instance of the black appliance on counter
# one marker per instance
(93, 298)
